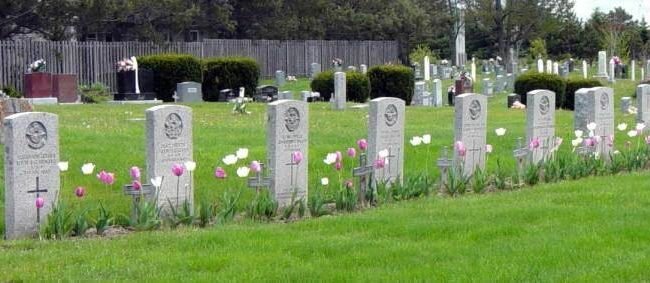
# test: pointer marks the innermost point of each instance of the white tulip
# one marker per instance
(243, 172)
(578, 133)
(500, 131)
(576, 142)
(640, 127)
(242, 153)
(156, 182)
(592, 126)
(330, 159)
(415, 141)
(622, 127)
(632, 133)
(230, 159)
(63, 166)
(426, 139)
(324, 181)
(190, 166)
(383, 153)
(87, 168)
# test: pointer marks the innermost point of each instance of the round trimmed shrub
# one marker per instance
(572, 85)
(392, 81)
(357, 86)
(229, 73)
(532, 81)
(11, 92)
(170, 69)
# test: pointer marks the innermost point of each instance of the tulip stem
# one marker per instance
(178, 183)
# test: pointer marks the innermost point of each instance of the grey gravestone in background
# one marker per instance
(470, 128)
(305, 95)
(287, 132)
(647, 70)
(352, 68)
(189, 92)
(339, 91)
(279, 78)
(540, 123)
(625, 104)
(436, 93)
(596, 105)
(363, 68)
(499, 84)
(643, 104)
(602, 64)
(169, 142)
(315, 70)
(487, 87)
(386, 132)
(433, 70)
(31, 170)
(418, 95)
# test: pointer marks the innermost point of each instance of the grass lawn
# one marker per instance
(590, 230)
(582, 230)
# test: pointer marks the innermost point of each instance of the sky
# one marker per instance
(637, 8)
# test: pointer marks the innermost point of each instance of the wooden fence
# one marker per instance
(95, 61)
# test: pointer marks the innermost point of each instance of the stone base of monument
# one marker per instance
(122, 102)
(43, 101)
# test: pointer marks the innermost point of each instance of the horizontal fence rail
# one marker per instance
(95, 62)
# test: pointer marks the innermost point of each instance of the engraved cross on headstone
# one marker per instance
(38, 192)
(444, 163)
(521, 152)
(259, 181)
(364, 172)
(390, 161)
(474, 150)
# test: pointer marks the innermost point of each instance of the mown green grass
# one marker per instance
(589, 230)
(581, 230)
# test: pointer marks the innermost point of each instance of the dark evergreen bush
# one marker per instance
(229, 73)
(170, 69)
(392, 81)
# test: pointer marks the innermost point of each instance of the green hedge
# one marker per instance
(170, 69)
(229, 72)
(532, 81)
(357, 86)
(572, 86)
(11, 92)
(392, 81)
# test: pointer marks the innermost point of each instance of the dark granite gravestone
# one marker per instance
(64, 87)
(266, 93)
(126, 85)
(226, 95)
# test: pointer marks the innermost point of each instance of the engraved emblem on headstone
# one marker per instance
(292, 119)
(36, 135)
(173, 126)
(391, 115)
(475, 109)
(544, 105)
(604, 101)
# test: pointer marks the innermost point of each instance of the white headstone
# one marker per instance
(470, 129)
(643, 103)
(596, 105)
(31, 171)
(386, 133)
(602, 64)
(540, 123)
(549, 66)
(556, 68)
(418, 95)
(625, 104)
(279, 78)
(437, 93)
(363, 68)
(612, 76)
(633, 63)
(169, 142)
(584, 69)
(473, 70)
(315, 70)
(540, 65)
(288, 133)
(339, 91)
(427, 69)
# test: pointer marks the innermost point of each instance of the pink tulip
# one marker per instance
(80, 192)
(135, 173)
(363, 144)
(349, 184)
(40, 202)
(591, 142)
(219, 173)
(380, 163)
(255, 166)
(136, 185)
(177, 170)
(352, 152)
(610, 140)
(338, 166)
(296, 157)
(534, 144)
(460, 148)
(339, 156)
(101, 176)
